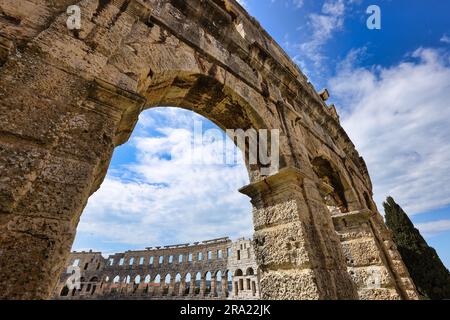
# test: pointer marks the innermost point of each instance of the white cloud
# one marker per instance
(434, 227)
(160, 200)
(298, 3)
(445, 39)
(398, 118)
(322, 26)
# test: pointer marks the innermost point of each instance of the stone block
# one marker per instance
(283, 246)
(290, 285)
(361, 252)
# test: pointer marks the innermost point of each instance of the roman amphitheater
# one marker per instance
(212, 269)
(69, 97)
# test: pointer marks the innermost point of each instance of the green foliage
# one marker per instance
(429, 274)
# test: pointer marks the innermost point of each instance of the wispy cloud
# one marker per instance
(322, 27)
(445, 39)
(398, 119)
(433, 228)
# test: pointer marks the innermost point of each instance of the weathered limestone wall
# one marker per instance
(225, 270)
(67, 99)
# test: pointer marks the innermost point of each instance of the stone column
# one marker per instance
(295, 244)
(213, 292)
(57, 136)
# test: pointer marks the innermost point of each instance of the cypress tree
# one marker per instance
(429, 274)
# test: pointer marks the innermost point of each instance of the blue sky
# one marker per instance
(392, 91)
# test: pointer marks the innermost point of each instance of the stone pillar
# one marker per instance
(171, 286)
(202, 286)
(373, 262)
(213, 292)
(54, 153)
(182, 287)
(224, 286)
(295, 244)
(192, 287)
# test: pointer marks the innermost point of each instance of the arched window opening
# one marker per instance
(135, 260)
(218, 284)
(64, 291)
(229, 282)
(187, 284)
(369, 203)
(198, 282)
(331, 186)
(208, 279)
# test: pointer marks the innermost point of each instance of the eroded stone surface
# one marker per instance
(67, 99)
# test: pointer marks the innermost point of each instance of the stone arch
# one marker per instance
(166, 284)
(238, 273)
(249, 272)
(147, 279)
(167, 278)
(369, 202)
(116, 279)
(61, 123)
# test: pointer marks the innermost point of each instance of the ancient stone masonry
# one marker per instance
(67, 99)
(214, 269)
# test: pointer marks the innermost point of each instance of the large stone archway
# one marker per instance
(67, 99)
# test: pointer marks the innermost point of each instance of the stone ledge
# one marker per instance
(284, 176)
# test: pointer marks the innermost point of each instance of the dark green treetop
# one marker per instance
(429, 274)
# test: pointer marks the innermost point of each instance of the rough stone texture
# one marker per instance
(226, 270)
(67, 99)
